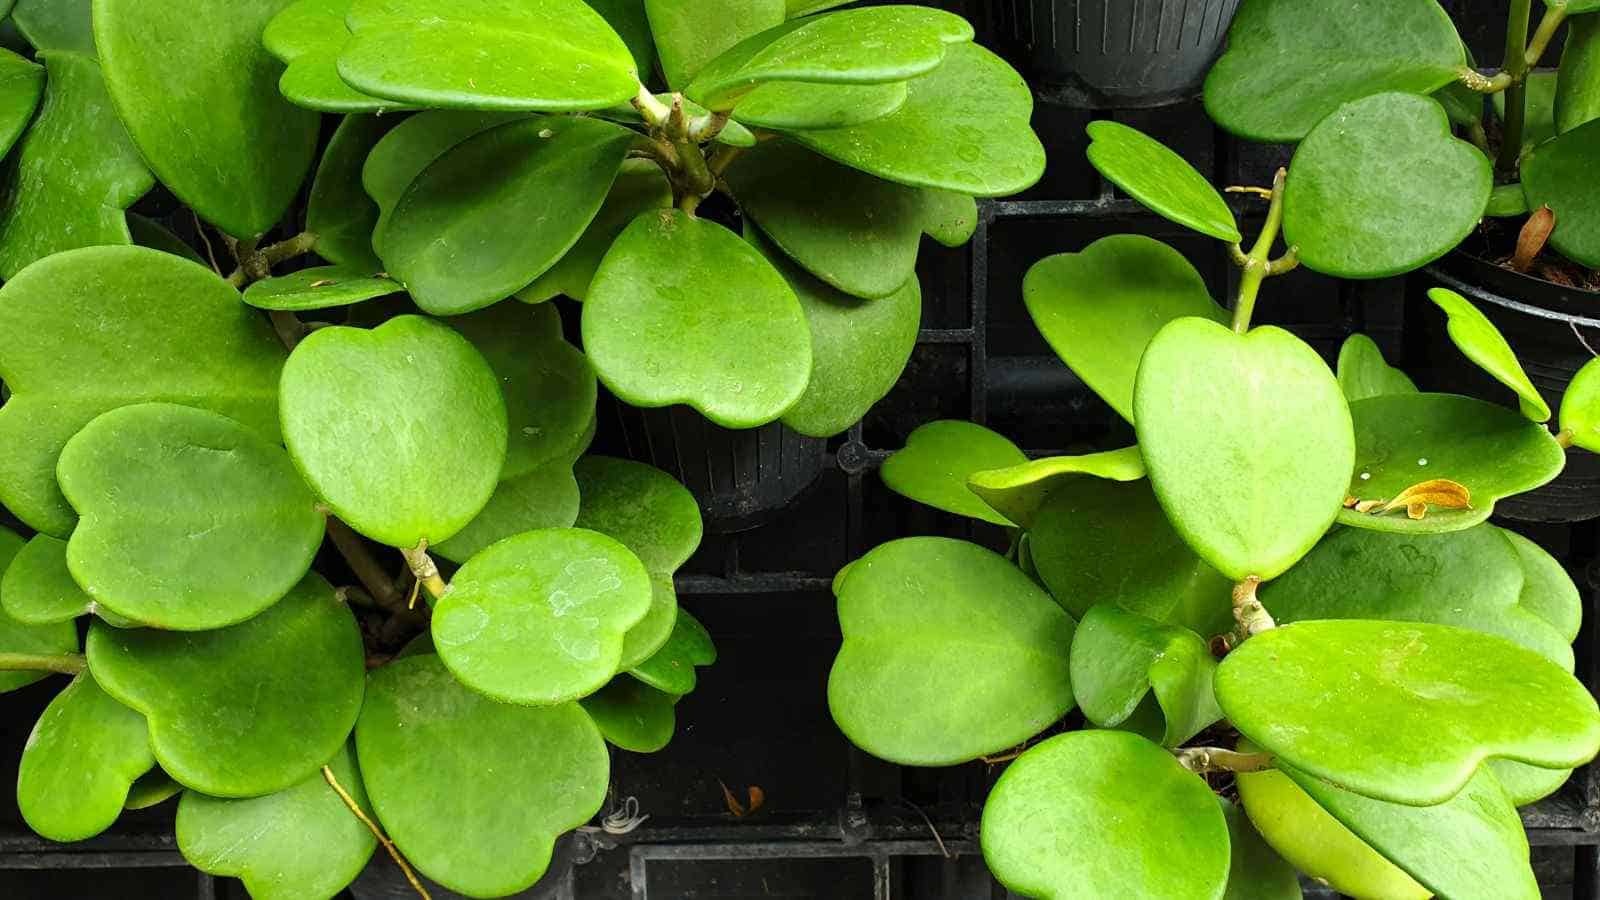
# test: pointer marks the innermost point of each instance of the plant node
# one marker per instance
(427, 572)
(1252, 617)
(1201, 760)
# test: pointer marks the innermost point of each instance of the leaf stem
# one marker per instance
(1516, 67)
(65, 663)
(1564, 438)
(1252, 617)
(359, 557)
(288, 249)
(427, 572)
(1549, 24)
(1201, 760)
(652, 110)
(355, 808)
(1258, 263)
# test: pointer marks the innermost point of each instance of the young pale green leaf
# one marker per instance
(1018, 492)
(1255, 870)
(1559, 175)
(320, 287)
(672, 667)
(483, 818)
(639, 187)
(800, 105)
(20, 637)
(1160, 179)
(1363, 372)
(83, 754)
(1580, 407)
(1275, 82)
(1476, 336)
(180, 335)
(1381, 187)
(244, 710)
(21, 87)
(1248, 441)
(1158, 831)
(1289, 689)
(939, 458)
(1539, 108)
(1578, 84)
(410, 147)
(964, 128)
(644, 508)
(691, 33)
(545, 55)
(1119, 658)
(38, 589)
(75, 171)
(165, 74)
(55, 24)
(1099, 308)
(652, 632)
(673, 310)
(546, 497)
(365, 414)
(934, 623)
(633, 715)
(338, 210)
(188, 520)
(307, 36)
(299, 842)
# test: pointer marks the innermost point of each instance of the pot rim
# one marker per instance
(1441, 272)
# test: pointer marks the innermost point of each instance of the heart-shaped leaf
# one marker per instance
(307, 36)
(38, 589)
(1557, 175)
(1289, 689)
(673, 308)
(1017, 492)
(1578, 84)
(20, 637)
(639, 187)
(1099, 308)
(1547, 589)
(645, 639)
(299, 842)
(546, 497)
(21, 87)
(180, 335)
(165, 74)
(1476, 336)
(338, 210)
(1248, 441)
(79, 761)
(539, 618)
(483, 818)
(245, 710)
(1160, 179)
(1158, 831)
(75, 171)
(188, 520)
(1381, 187)
(633, 715)
(1363, 372)
(410, 147)
(691, 33)
(644, 508)
(1405, 439)
(55, 24)
(798, 105)
(365, 413)
(672, 668)
(963, 128)
(1274, 83)
(1580, 407)
(1255, 870)
(934, 623)
(1119, 657)
(937, 460)
(320, 287)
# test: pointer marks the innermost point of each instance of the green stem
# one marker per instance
(1549, 24)
(65, 663)
(1564, 438)
(422, 566)
(1258, 262)
(285, 250)
(1516, 66)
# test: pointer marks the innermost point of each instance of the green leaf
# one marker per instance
(799, 105)
(672, 668)
(1363, 372)
(939, 624)
(547, 55)
(639, 187)
(338, 210)
(964, 128)
(1507, 201)
(1547, 589)
(307, 36)
(642, 507)
(1381, 187)
(74, 172)
(546, 497)
(1255, 870)
(365, 413)
(244, 710)
(691, 33)
(319, 287)
(180, 335)
(1558, 175)
(150, 233)
(21, 87)
(652, 632)
(299, 842)
(1157, 829)
(798, 8)
(1472, 332)
(1405, 439)
(1275, 81)
(19, 637)
(1017, 492)
(1119, 658)
(165, 75)
(675, 307)
(1160, 179)
(1539, 114)
(629, 20)
(1099, 308)
(1578, 84)
(937, 460)
(632, 715)
(1289, 689)
(189, 520)
(1248, 442)
(55, 24)
(481, 819)
(83, 754)
(1580, 407)
(37, 588)
(409, 148)
(151, 789)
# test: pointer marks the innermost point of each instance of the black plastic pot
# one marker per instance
(1099, 54)
(1543, 323)
(383, 880)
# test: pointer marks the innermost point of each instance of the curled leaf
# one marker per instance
(1440, 492)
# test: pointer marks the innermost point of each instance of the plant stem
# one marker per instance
(427, 572)
(1549, 24)
(1252, 617)
(1215, 759)
(1564, 438)
(359, 557)
(285, 250)
(1258, 263)
(1515, 66)
(355, 808)
(654, 111)
(65, 663)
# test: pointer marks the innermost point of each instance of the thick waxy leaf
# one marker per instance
(299, 842)
(632, 715)
(672, 667)
(631, 23)
(1157, 829)
(673, 311)
(652, 632)
(365, 413)
(1547, 589)
(799, 8)
(796, 105)
(938, 459)
(691, 33)
(939, 624)
(1017, 492)
(1099, 308)
(1558, 175)
(1118, 658)
(539, 618)
(639, 187)
(151, 789)
(546, 497)
(18, 637)
(1405, 439)
(1363, 372)
(338, 211)
(320, 287)
(1476, 336)
(21, 87)
(1580, 407)
(1294, 689)
(1274, 83)
(409, 148)
(38, 588)
(1248, 442)
(1381, 187)
(1255, 870)
(482, 818)
(644, 508)
(74, 173)
(181, 335)
(1578, 84)
(548, 55)
(244, 710)
(165, 74)
(79, 761)
(55, 24)
(963, 128)
(1160, 179)
(1507, 201)
(307, 36)
(188, 520)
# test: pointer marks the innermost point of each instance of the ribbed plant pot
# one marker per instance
(1098, 54)
(383, 880)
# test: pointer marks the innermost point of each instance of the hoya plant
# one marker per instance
(304, 505)
(1278, 635)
